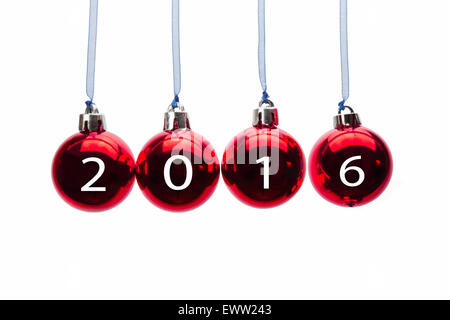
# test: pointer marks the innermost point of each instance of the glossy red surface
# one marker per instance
(326, 166)
(152, 161)
(245, 177)
(70, 174)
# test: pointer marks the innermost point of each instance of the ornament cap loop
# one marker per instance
(351, 119)
(92, 120)
(266, 114)
(176, 118)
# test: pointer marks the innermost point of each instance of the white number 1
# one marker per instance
(265, 161)
(101, 169)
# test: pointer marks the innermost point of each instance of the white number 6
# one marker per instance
(188, 165)
(344, 170)
(101, 169)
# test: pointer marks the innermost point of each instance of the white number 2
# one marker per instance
(188, 165)
(345, 169)
(265, 161)
(101, 169)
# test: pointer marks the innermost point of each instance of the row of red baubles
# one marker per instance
(178, 169)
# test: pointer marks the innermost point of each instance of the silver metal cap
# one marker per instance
(92, 120)
(176, 118)
(266, 114)
(346, 120)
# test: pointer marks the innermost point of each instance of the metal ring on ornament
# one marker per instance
(348, 107)
(176, 118)
(267, 103)
(266, 114)
(346, 120)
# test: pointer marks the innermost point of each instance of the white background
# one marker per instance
(394, 247)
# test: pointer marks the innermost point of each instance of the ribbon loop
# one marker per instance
(92, 44)
(176, 51)
(262, 48)
(344, 54)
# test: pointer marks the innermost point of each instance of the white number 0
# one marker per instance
(345, 169)
(188, 165)
(101, 169)
(265, 161)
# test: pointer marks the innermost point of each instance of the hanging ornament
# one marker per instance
(177, 169)
(350, 165)
(263, 166)
(93, 170)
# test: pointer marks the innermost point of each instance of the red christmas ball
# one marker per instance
(178, 170)
(93, 171)
(350, 165)
(263, 166)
